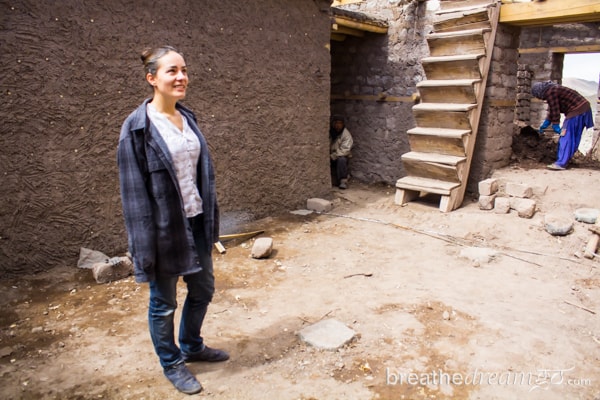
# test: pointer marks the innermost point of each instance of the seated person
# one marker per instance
(339, 151)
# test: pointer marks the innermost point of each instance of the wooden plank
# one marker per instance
(344, 30)
(447, 82)
(453, 67)
(363, 26)
(545, 13)
(448, 94)
(589, 48)
(435, 158)
(443, 145)
(459, 34)
(426, 185)
(462, 44)
(451, 120)
(444, 107)
(462, 20)
(440, 132)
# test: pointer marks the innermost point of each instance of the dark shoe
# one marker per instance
(208, 355)
(181, 377)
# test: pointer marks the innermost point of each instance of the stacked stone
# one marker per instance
(523, 110)
(517, 197)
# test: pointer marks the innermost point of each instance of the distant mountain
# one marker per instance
(588, 89)
(585, 87)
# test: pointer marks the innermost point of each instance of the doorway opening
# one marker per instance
(581, 72)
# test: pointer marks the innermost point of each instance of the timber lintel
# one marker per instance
(549, 12)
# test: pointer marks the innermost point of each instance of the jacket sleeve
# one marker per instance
(346, 143)
(137, 207)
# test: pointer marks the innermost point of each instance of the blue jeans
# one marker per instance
(163, 303)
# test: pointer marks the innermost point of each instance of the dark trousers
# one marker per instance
(163, 303)
(339, 170)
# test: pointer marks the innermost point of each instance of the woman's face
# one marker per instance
(171, 78)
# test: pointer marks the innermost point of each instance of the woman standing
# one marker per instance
(170, 207)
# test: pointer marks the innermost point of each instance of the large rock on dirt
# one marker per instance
(262, 247)
(113, 269)
(587, 215)
(558, 225)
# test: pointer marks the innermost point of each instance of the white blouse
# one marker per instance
(184, 147)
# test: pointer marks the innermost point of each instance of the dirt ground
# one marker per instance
(518, 320)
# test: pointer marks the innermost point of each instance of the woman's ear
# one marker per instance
(151, 79)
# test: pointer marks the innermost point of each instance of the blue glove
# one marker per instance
(556, 128)
(544, 126)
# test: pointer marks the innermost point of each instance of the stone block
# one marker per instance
(518, 190)
(486, 202)
(525, 207)
(319, 205)
(502, 205)
(488, 187)
(329, 334)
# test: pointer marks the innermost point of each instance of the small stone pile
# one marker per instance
(516, 197)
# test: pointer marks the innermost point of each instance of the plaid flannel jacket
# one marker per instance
(562, 99)
(159, 234)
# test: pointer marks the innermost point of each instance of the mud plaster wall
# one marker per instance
(391, 65)
(70, 74)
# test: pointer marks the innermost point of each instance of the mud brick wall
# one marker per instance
(375, 64)
(70, 73)
(542, 51)
(373, 79)
(493, 147)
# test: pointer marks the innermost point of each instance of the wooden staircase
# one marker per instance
(447, 118)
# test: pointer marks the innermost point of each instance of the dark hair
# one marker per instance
(151, 56)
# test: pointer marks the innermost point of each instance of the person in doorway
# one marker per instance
(169, 200)
(340, 148)
(578, 116)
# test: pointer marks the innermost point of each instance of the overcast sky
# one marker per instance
(582, 65)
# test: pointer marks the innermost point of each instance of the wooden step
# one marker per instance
(439, 140)
(471, 41)
(443, 107)
(435, 115)
(449, 91)
(432, 158)
(461, 20)
(453, 67)
(454, 5)
(426, 185)
(410, 188)
(433, 165)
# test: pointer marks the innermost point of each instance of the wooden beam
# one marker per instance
(550, 12)
(337, 37)
(360, 25)
(343, 30)
(591, 48)
(343, 2)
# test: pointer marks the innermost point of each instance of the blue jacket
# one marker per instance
(159, 234)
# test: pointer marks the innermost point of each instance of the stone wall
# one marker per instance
(493, 147)
(70, 73)
(372, 65)
(373, 79)
(542, 51)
